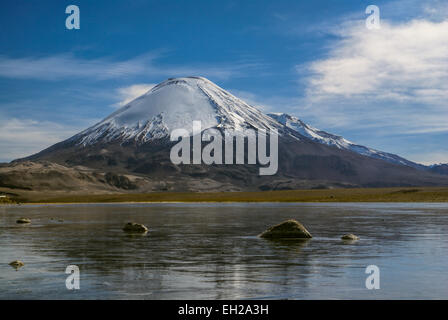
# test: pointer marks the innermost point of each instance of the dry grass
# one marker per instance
(423, 194)
(6, 200)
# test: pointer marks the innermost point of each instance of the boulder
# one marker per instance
(290, 229)
(16, 264)
(135, 227)
(349, 236)
(23, 220)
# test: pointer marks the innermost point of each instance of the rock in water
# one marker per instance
(349, 236)
(290, 229)
(23, 220)
(135, 227)
(16, 264)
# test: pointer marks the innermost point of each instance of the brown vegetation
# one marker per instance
(424, 194)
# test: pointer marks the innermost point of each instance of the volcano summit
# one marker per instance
(173, 104)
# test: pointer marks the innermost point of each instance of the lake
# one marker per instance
(211, 251)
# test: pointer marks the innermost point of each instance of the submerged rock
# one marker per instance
(349, 236)
(16, 264)
(23, 220)
(290, 229)
(135, 227)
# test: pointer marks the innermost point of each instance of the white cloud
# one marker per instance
(431, 157)
(24, 137)
(67, 66)
(395, 77)
(398, 62)
(127, 94)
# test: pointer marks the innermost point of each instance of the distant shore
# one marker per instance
(414, 194)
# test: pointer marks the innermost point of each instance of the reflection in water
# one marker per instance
(196, 251)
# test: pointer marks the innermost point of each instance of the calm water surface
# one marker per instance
(211, 251)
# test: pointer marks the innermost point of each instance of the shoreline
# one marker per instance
(368, 195)
(210, 202)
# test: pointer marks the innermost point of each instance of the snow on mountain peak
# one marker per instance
(310, 132)
(175, 103)
(339, 142)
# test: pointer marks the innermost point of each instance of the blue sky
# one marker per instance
(384, 88)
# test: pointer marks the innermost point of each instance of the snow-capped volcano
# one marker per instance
(174, 104)
(129, 149)
(339, 142)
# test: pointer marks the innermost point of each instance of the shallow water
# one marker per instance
(211, 251)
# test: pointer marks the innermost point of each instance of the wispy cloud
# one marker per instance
(62, 66)
(395, 77)
(430, 157)
(67, 66)
(23, 137)
(129, 93)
